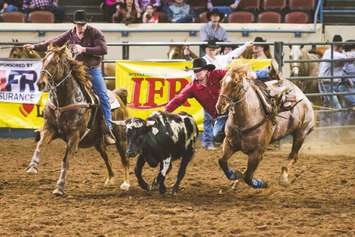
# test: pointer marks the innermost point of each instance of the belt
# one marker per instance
(94, 67)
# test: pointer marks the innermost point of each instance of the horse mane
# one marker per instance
(79, 71)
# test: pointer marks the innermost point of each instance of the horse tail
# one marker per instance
(122, 93)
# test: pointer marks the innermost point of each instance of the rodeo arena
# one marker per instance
(177, 118)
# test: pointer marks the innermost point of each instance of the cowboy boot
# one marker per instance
(109, 137)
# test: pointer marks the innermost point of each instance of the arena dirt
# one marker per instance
(319, 202)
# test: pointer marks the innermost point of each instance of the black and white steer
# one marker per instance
(164, 137)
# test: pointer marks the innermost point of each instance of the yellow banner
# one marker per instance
(151, 85)
(256, 64)
(22, 115)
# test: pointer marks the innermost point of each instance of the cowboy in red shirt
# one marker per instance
(205, 89)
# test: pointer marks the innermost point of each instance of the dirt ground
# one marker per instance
(319, 202)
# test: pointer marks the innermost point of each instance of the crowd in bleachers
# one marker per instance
(176, 11)
(36, 11)
(189, 11)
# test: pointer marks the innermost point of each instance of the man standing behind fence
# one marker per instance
(331, 85)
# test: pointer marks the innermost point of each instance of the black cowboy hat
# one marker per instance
(337, 38)
(215, 12)
(80, 17)
(259, 39)
(212, 44)
(349, 47)
(199, 64)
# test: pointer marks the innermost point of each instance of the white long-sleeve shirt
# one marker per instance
(222, 61)
(324, 67)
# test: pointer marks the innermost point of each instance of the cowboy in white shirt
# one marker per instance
(222, 61)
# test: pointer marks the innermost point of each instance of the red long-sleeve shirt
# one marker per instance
(206, 95)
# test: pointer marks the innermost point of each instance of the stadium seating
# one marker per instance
(297, 18)
(163, 18)
(274, 4)
(202, 18)
(304, 5)
(198, 5)
(249, 5)
(241, 17)
(269, 17)
(41, 17)
(13, 17)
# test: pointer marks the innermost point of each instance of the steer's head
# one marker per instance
(136, 130)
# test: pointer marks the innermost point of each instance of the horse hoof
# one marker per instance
(58, 192)
(125, 186)
(109, 182)
(32, 170)
(258, 183)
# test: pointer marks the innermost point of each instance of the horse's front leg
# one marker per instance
(72, 146)
(253, 162)
(121, 148)
(102, 150)
(223, 162)
(46, 136)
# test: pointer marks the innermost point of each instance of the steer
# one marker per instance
(164, 137)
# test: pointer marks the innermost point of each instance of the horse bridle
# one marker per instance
(233, 102)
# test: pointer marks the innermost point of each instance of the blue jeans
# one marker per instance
(11, 8)
(330, 101)
(213, 129)
(226, 10)
(101, 91)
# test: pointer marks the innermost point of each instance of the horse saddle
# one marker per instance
(275, 97)
(285, 97)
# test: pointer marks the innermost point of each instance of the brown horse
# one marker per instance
(305, 69)
(22, 52)
(181, 52)
(250, 129)
(72, 114)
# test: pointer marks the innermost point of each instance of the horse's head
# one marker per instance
(22, 52)
(233, 87)
(175, 52)
(295, 54)
(55, 66)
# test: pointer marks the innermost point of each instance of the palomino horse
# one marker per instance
(72, 114)
(250, 129)
(177, 52)
(305, 69)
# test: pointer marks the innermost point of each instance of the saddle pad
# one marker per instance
(113, 100)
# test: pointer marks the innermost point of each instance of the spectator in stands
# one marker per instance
(127, 13)
(109, 7)
(180, 12)
(261, 51)
(222, 61)
(47, 5)
(149, 15)
(213, 29)
(141, 5)
(11, 6)
(328, 85)
(224, 6)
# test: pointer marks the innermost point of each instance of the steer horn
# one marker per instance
(150, 123)
(119, 123)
